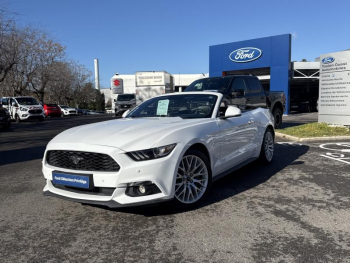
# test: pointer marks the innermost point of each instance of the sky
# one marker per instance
(135, 35)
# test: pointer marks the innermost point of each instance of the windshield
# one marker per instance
(51, 105)
(184, 106)
(217, 84)
(125, 97)
(27, 101)
(64, 106)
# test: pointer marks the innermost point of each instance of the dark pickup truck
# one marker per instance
(245, 92)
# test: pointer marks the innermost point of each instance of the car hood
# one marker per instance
(126, 134)
(68, 109)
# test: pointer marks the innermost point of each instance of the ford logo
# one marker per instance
(245, 54)
(328, 60)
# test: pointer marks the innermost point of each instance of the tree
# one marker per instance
(11, 39)
(47, 54)
(109, 103)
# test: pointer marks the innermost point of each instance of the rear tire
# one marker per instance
(193, 180)
(7, 125)
(277, 115)
(267, 147)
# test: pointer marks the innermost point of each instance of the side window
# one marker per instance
(254, 85)
(238, 84)
(4, 101)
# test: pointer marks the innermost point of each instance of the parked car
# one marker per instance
(169, 148)
(23, 108)
(122, 103)
(5, 119)
(51, 110)
(67, 111)
(244, 91)
(80, 111)
(303, 102)
(91, 112)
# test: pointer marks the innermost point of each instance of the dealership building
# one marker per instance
(267, 58)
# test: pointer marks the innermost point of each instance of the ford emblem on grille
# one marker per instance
(76, 159)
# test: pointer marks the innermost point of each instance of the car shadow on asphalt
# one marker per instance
(21, 155)
(241, 180)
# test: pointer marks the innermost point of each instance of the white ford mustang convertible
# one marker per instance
(169, 148)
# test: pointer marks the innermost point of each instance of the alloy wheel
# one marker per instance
(191, 180)
(269, 146)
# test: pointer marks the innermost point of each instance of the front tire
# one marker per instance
(17, 118)
(267, 147)
(193, 180)
(277, 115)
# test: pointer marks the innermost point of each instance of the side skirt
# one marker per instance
(234, 168)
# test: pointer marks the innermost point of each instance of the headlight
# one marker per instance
(150, 154)
(23, 109)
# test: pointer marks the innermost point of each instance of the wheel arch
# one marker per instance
(279, 105)
(202, 148)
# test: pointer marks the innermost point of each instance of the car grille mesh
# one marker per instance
(85, 161)
(35, 111)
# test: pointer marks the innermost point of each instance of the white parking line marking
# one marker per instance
(343, 144)
(289, 143)
(337, 159)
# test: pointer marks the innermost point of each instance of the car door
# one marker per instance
(257, 97)
(239, 134)
(237, 93)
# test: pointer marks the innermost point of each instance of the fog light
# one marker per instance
(142, 189)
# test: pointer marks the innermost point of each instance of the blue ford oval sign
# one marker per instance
(245, 54)
(328, 60)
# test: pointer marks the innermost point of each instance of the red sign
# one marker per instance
(116, 82)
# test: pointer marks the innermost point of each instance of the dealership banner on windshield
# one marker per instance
(334, 89)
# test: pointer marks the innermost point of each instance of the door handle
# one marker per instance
(248, 99)
(250, 121)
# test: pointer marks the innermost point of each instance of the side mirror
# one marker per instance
(237, 93)
(231, 112)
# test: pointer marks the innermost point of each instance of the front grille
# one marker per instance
(72, 111)
(95, 191)
(84, 161)
(35, 111)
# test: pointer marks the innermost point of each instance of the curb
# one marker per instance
(312, 139)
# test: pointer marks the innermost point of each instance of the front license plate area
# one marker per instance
(74, 180)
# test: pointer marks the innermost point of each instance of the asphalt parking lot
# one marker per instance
(295, 210)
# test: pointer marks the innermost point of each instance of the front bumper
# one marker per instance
(26, 116)
(160, 172)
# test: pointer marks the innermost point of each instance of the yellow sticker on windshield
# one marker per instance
(162, 108)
